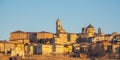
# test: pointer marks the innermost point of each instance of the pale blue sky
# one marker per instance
(41, 15)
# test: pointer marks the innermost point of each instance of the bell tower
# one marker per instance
(59, 28)
(58, 25)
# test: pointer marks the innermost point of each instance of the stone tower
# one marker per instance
(99, 31)
(84, 30)
(59, 28)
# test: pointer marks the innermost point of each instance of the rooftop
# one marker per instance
(90, 26)
(18, 31)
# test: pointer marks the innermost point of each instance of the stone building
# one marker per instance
(29, 37)
(59, 49)
(63, 37)
(108, 37)
(72, 37)
(44, 35)
(62, 42)
(19, 37)
(47, 49)
(6, 47)
(89, 31)
(19, 50)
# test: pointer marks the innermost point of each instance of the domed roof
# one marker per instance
(90, 26)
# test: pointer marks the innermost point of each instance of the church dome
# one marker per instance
(90, 26)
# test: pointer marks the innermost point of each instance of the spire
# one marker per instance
(90, 21)
(90, 24)
(58, 19)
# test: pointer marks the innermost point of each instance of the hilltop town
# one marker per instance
(86, 44)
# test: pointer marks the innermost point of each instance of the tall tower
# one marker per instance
(84, 30)
(59, 28)
(99, 31)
